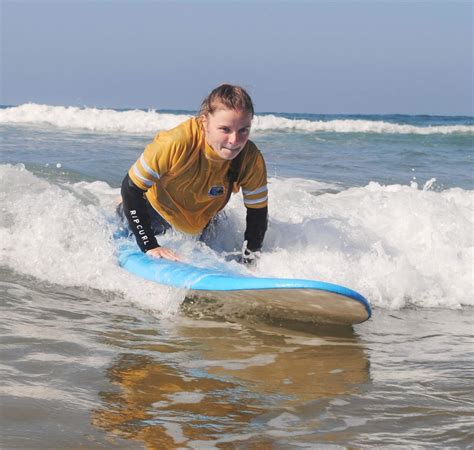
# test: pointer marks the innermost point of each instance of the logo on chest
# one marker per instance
(216, 191)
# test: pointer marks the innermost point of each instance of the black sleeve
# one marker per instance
(135, 210)
(257, 220)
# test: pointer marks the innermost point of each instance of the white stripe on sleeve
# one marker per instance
(138, 174)
(256, 191)
(254, 202)
(148, 169)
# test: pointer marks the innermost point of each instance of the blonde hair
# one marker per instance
(228, 96)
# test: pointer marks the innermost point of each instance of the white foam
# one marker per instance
(60, 236)
(138, 121)
(272, 122)
(92, 119)
(396, 245)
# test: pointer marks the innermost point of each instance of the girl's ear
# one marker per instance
(204, 121)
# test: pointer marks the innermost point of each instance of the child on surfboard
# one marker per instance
(187, 174)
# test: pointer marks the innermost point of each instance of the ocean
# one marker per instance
(93, 357)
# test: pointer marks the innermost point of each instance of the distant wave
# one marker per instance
(138, 121)
(272, 122)
(93, 119)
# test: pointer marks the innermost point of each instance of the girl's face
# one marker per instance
(227, 131)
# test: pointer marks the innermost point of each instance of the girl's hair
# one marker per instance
(228, 96)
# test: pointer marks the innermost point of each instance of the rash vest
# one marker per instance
(186, 180)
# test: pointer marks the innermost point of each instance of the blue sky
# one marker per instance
(318, 56)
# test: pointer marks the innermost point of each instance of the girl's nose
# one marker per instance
(232, 138)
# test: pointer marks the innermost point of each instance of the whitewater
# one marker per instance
(139, 121)
(383, 204)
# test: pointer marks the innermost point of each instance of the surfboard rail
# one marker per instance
(330, 302)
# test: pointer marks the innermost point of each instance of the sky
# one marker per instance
(307, 56)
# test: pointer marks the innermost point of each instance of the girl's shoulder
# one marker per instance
(252, 152)
(181, 141)
(188, 131)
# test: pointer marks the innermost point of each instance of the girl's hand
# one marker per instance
(163, 252)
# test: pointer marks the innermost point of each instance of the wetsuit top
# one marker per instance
(185, 180)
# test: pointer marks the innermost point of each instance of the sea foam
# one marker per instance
(396, 245)
(139, 121)
(61, 234)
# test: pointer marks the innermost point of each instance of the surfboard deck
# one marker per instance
(297, 299)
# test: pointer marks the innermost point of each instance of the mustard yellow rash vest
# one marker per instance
(186, 181)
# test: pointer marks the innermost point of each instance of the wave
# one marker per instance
(92, 119)
(396, 245)
(272, 122)
(139, 121)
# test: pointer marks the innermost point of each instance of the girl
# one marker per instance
(187, 174)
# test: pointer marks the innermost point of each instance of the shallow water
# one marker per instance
(94, 357)
(84, 368)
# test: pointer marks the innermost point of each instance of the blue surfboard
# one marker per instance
(296, 299)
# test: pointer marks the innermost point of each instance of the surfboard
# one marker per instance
(294, 299)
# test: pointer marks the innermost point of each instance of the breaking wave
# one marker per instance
(139, 121)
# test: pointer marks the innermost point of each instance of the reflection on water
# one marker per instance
(79, 366)
(219, 383)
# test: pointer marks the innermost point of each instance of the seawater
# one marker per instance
(93, 356)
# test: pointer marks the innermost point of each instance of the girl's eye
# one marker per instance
(241, 131)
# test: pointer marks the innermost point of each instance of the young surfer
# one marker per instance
(187, 174)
